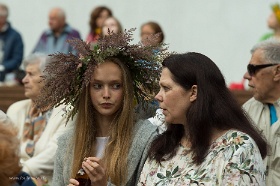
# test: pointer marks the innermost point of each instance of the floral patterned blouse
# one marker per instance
(233, 159)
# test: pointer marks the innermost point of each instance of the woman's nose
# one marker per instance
(158, 97)
(106, 93)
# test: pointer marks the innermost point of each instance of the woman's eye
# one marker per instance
(116, 86)
(165, 88)
(96, 86)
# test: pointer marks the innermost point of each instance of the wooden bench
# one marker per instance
(10, 95)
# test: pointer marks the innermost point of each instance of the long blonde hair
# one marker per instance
(117, 149)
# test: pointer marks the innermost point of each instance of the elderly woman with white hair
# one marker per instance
(38, 129)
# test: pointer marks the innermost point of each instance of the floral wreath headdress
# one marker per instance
(276, 9)
(67, 75)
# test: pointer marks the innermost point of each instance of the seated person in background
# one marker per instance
(11, 45)
(151, 28)
(3, 118)
(38, 130)
(97, 17)
(263, 75)
(273, 22)
(111, 24)
(148, 31)
(209, 140)
(55, 38)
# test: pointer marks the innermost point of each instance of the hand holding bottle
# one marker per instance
(94, 170)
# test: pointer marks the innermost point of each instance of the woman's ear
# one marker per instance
(193, 93)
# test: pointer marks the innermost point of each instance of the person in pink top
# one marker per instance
(97, 17)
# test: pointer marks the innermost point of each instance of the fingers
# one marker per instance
(89, 167)
(93, 159)
(94, 168)
(96, 164)
(73, 182)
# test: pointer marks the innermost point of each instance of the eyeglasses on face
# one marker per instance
(252, 69)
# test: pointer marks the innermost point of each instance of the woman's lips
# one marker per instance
(106, 105)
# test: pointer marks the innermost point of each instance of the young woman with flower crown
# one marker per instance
(101, 86)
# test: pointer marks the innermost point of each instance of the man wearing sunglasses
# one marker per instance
(263, 74)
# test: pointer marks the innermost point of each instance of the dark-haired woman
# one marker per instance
(209, 140)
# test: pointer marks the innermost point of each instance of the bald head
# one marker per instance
(3, 15)
(4, 10)
(57, 19)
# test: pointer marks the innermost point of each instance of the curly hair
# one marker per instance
(9, 159)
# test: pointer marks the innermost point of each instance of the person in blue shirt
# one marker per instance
(11, 45)
(55, 38)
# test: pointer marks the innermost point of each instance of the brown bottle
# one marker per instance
(82, 178)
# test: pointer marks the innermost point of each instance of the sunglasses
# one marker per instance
(252, 69)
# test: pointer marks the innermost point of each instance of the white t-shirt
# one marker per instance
(100, 146)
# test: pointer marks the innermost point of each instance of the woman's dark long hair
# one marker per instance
(214, 108)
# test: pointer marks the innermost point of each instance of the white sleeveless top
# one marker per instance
(100, 146)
